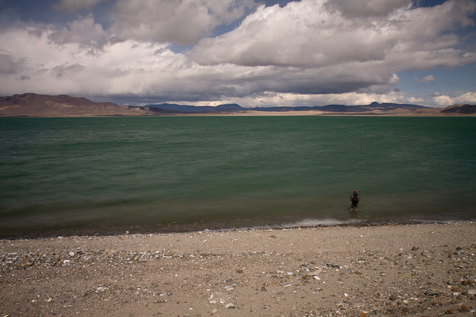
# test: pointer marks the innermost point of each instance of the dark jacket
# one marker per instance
(355, 198)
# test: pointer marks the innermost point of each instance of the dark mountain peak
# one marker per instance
(333, 108)
(390, 105)
(197, 109)
(229, 107)
(27, 95)
(458, 108)
(174, 107)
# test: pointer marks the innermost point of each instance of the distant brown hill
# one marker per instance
(460, 109)
(34, 105)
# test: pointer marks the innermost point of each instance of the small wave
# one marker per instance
(307, 223)
(321, 222)
(329, 222)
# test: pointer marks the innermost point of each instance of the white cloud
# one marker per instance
(9, 64)
(75, 5)
(147, 69)
(135, 72)
(445, 100)
(128, 68)
(179, 21)
(416, 100)
(311, 50)
(427, 79)
(83, 31)
(469, 98)
(306, 34)
(303, 53)
(70, 71)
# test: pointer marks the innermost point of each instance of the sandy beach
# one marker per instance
(397, 270)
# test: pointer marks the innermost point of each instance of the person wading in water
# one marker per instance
(355, 198)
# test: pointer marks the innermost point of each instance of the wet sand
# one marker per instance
(399, 270)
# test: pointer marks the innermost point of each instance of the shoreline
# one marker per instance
(423, 269)
(302, 224)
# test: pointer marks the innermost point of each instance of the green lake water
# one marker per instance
(63, 176)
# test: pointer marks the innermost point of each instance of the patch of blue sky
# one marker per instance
(43, 11)
(269, 3)
(428, 3)
(445, 81)
(36, 11)
(102, 13)
(225, 28)
(179, 48)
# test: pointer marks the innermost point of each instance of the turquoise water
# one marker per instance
(162, 174)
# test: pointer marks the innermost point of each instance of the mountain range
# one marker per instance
(329, 108)
(35, 105)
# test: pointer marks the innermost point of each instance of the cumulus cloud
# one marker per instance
(306, 34)
(182, 22)
(9, 64)
(427, 79)
(306, 53)
(123, 68)
(67, 70)
(76, 5)
(306, 48)
(83, 31)
(445, 100)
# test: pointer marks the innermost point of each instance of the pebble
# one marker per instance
(471, 292)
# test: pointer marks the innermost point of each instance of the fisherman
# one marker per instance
(355, 198)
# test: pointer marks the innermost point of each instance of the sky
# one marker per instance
(250, 52)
